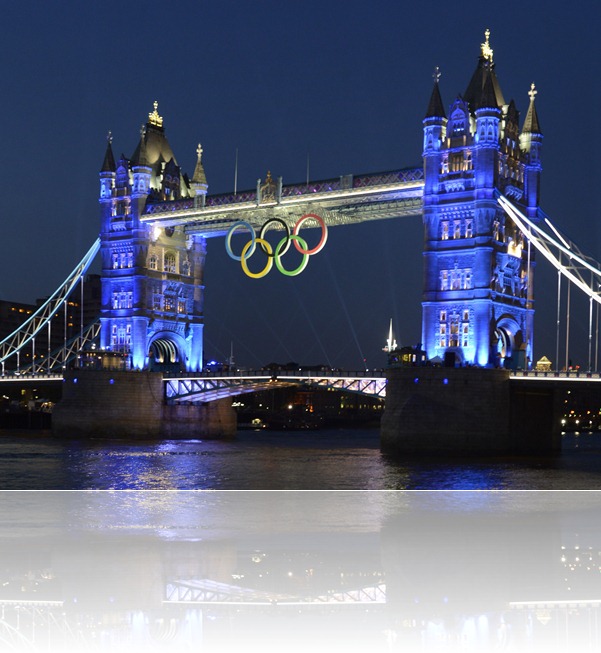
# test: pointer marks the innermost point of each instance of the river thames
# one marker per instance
(272, 460)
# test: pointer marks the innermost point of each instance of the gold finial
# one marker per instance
(199, 152)
(154, 118)
(109, 137)
(485, 47)
(436, 75)
(532, 92)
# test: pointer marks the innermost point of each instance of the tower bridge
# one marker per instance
(478, 195)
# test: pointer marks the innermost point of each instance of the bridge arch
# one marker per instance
(167, 349)
(508, 341)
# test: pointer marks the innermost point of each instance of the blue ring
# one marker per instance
(228, 238)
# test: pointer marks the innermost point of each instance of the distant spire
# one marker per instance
(108, 165)
(531, 123)
(390, 341)
(435, 106)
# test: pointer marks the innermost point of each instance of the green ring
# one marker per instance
(303, 263)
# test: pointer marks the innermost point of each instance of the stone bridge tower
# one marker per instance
(152, 292)
(478, 268)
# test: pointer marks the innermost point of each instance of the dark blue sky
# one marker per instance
(347, 83)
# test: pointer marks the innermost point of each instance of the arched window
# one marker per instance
(153, 262)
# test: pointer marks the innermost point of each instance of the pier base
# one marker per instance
(115, 404)
(467, 411)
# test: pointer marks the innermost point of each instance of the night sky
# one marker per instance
(346, 84)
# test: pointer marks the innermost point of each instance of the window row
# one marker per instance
(451, 331)
(169, 304)
(456, 229)
(456, 162)
(121, 335)
(456, 279)
(169, 264)
(122, 260)
(123, 299)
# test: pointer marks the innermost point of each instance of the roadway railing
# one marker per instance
(551, 375)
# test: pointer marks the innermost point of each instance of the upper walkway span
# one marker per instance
(344, 200)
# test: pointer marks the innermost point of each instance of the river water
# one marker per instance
(271, 460)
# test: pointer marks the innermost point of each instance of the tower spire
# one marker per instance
(531, 123)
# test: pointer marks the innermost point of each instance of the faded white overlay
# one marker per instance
(300, 571)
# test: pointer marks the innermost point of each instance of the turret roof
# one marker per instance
(199, 176)
(435, 106)
(484, 69)
(108, 165)
(531, 123)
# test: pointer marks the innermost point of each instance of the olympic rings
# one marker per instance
(282, 247)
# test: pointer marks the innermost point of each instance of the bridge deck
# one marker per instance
(346, 200)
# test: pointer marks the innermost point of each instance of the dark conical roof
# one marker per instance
(487, 99)
(108, 165)
(475, 89)
(531, 123)
(435, 106)
(139, 157)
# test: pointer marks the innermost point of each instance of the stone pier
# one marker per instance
(468, 411)
(119, 404)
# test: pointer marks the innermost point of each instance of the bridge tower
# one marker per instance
(478, 268)
(152, 292)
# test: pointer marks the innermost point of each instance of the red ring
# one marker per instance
(324, 233)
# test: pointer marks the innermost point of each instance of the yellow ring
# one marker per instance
(267, 268)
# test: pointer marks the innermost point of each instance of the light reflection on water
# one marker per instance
(344, 459)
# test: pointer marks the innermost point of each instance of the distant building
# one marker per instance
(478, 267)
(65, 325)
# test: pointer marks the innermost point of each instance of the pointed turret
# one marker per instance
(141, 170)
(199, 179)
(107, 172)
(531, 123)
(435, 106)
(108, 165)
(531, 140)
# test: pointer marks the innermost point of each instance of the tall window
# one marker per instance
(457, 229)
(153, 262)
(444, 280)
(468, 228)
(169, 265)
(445, 231)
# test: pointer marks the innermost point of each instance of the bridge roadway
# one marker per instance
(204, 386)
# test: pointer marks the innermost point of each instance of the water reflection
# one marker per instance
(300, 571)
